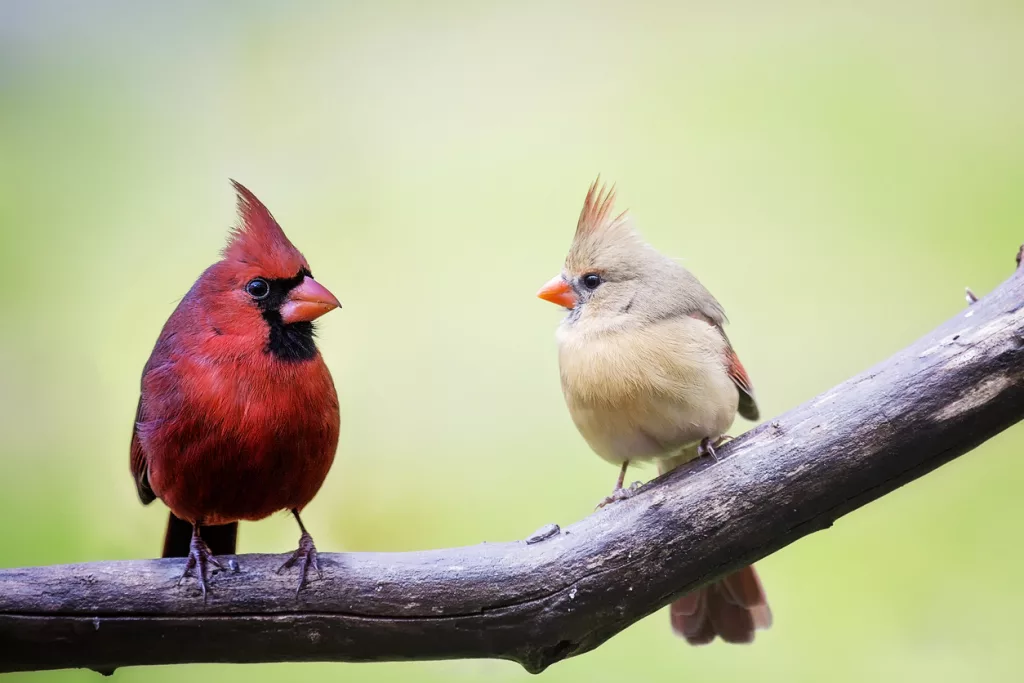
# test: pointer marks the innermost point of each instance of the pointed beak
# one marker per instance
(308, 301)
(558, 291)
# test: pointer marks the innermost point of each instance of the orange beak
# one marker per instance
(558, 291)
(308, 301)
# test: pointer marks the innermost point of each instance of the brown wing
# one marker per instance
(140, 464)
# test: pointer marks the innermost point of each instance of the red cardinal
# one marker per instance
(238, 417)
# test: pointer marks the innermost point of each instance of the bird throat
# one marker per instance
(289, 342)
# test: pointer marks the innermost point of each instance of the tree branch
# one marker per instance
(539, 601)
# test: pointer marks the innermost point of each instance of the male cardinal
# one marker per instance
(648, 374)
(238, 416)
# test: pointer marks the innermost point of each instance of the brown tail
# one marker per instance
(178, 538)
(732, 608)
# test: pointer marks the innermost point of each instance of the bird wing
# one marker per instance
(140, 463)
(159, 358)
(739, 376)
(737, 373)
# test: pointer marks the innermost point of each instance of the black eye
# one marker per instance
(591, 280)
(258, 288)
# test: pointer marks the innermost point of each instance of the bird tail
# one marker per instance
(178, 538)
(732, 608)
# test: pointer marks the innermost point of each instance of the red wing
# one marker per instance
(738, 374)
(140, 464)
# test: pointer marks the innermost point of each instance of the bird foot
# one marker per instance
(305, 555)
(621, 493)
(707, 446)
(199, 556)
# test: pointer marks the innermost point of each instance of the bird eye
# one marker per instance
(591, 280)
(258, 288)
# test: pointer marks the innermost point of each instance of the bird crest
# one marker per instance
(601, 235)
(596, 215)
(258, 239)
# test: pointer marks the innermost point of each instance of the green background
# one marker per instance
(834, 176)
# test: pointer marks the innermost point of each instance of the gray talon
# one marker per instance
(199, 558)
(306, 557)
(619, 494)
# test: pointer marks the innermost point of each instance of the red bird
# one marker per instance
(238, 416)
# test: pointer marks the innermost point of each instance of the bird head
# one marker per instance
(612, 276)
(263, 285)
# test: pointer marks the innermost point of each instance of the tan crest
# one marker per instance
(601, 236)
(597, 210)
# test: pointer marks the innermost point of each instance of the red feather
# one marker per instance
(229, 434)
(738, 373)
(226, 430)
(259, 239)
(732, 608)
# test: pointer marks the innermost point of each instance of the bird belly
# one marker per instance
(646, 400)
(649, 430)
(221, 458)
(226, 480)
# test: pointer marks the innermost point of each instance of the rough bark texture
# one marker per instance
(561, 592)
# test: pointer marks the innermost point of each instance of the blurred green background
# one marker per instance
(834, 175)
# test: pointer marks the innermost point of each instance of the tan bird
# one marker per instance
(649, 374)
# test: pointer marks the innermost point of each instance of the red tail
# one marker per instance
(732, 608)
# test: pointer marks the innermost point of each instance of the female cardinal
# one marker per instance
(648, 374)
(238, 416)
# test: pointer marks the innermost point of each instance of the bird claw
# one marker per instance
(199, 556)
(306, 556)
(620, 494)
(707, 446)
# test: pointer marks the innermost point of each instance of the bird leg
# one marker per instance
(199, 556)
(620, 493)
(305, 555)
